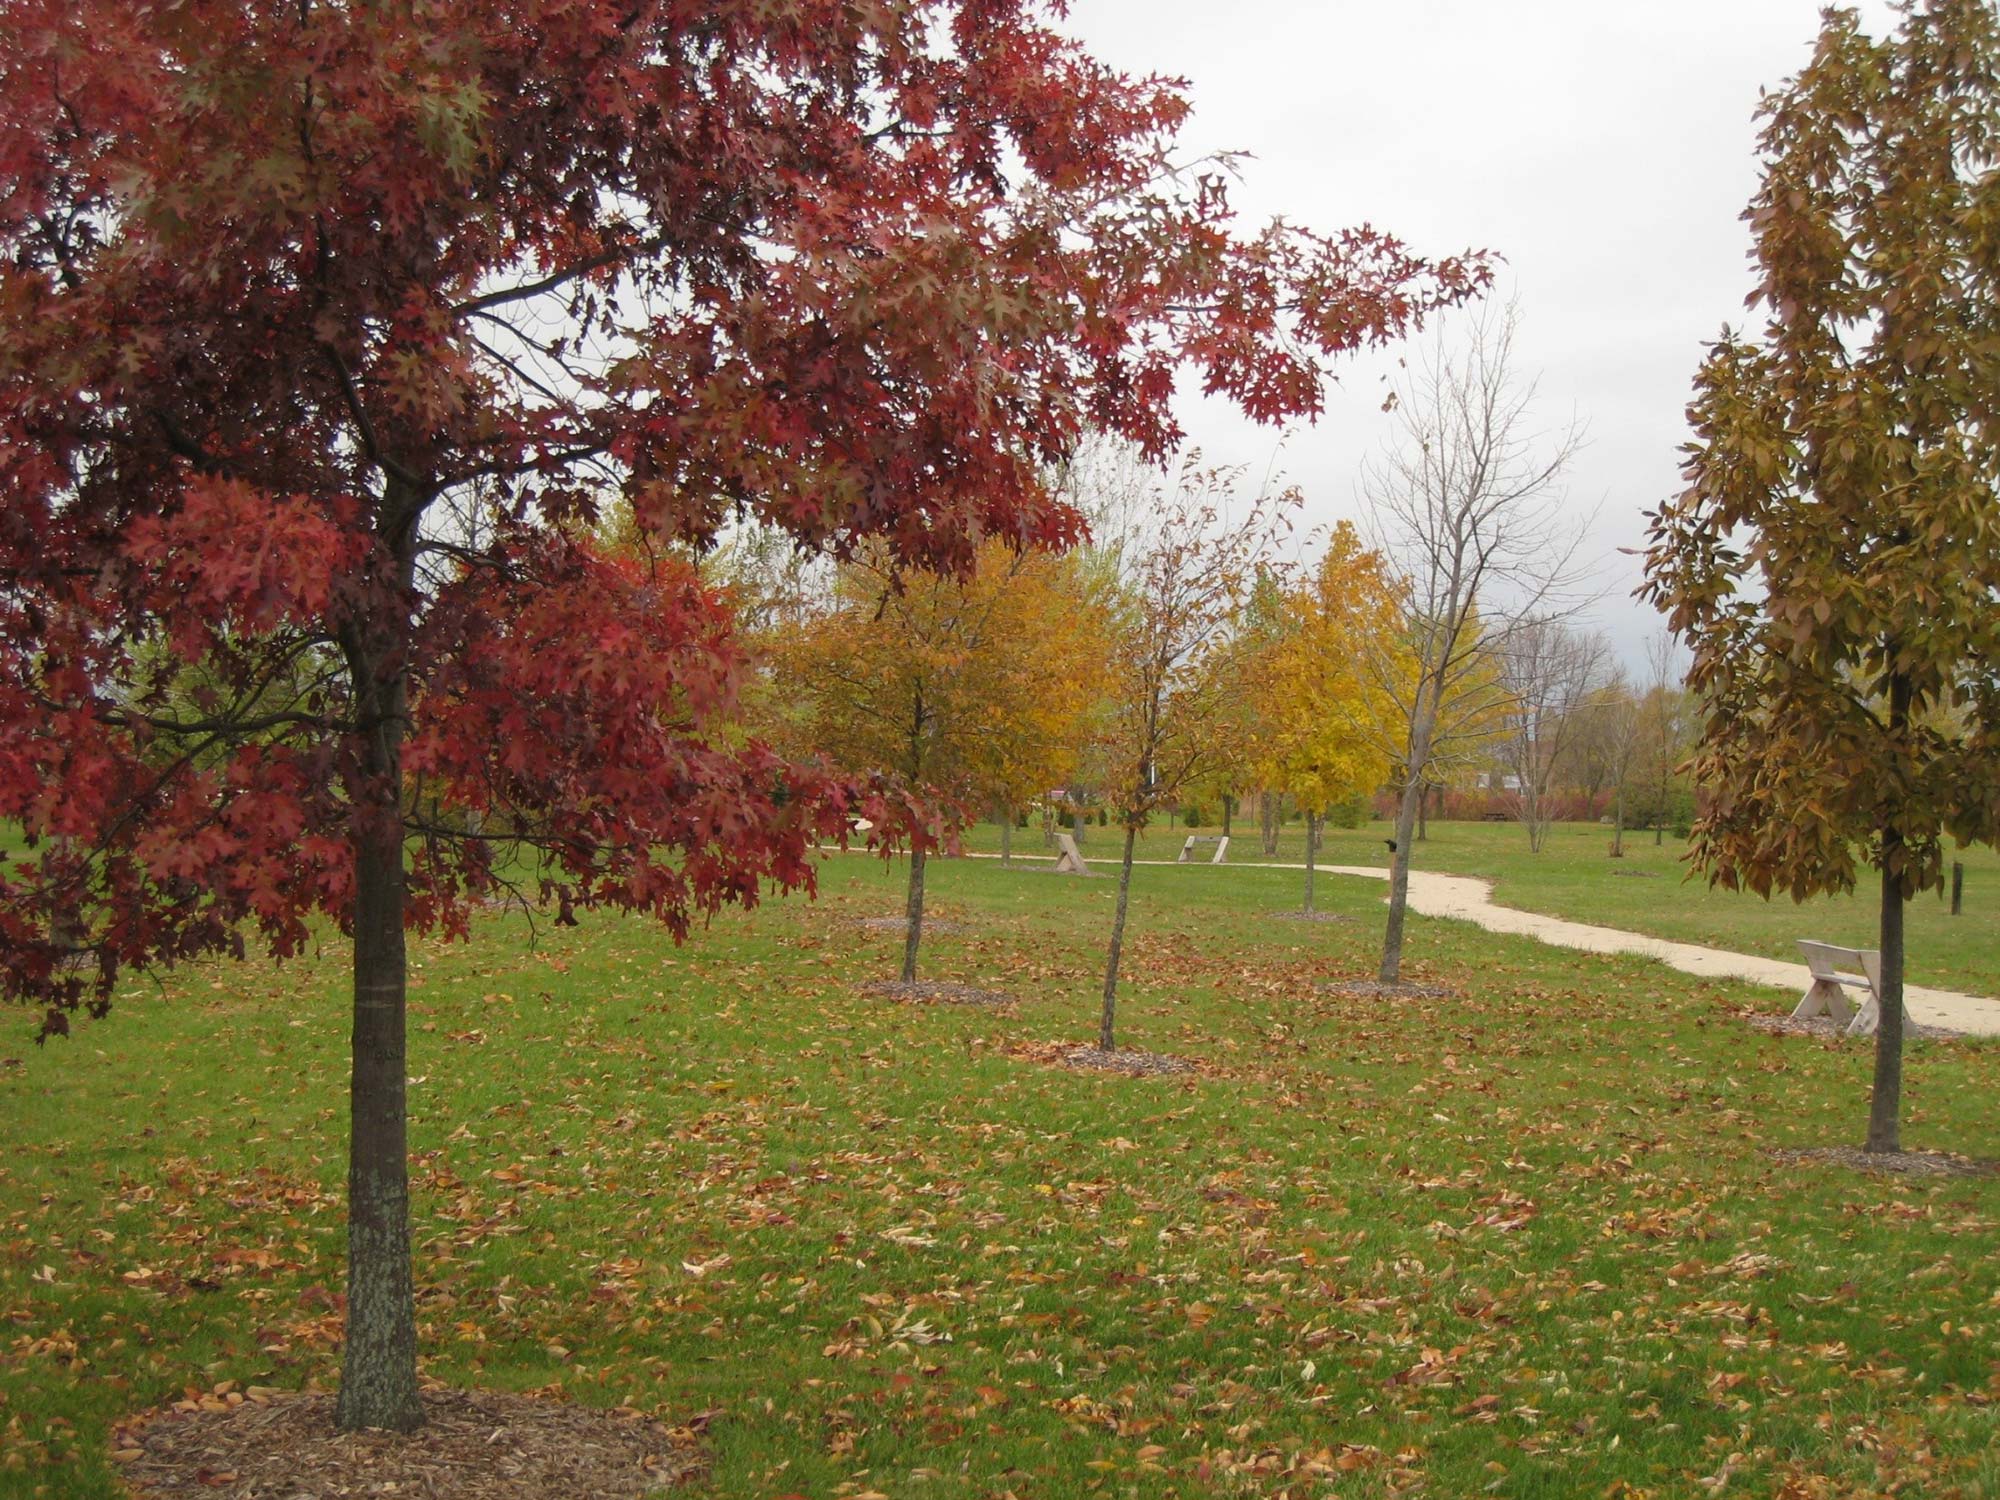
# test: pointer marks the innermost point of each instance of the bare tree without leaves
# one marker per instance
(1468, 504)
(1549, 670)
(1186, 572)
(1615, 719)
(1667, 722)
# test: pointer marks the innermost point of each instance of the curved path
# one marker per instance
(1469, 899)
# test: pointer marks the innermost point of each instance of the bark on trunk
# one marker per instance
(1267, 815)
(1618, 825)
(1006, 835)
(1076, 825)
(1228, 808)
(1107, 1021)
(913, 928)
(1399, 889)
(1886, 1100)
(378, 1376)
(1312, 849)
(1885, 1103)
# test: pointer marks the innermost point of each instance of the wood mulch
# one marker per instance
(1903, 1163)
(934, 992)
(1374, 989)
(474, 1445)
(1310, 916)
(1128, 1060)
(1828, 1029)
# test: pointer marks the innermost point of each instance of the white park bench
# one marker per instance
(1069, 859)
(1221, 842)
(1832, 969)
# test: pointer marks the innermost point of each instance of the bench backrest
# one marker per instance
(1824, 959)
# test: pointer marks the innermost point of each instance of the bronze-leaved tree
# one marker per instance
(1834, 562)
(329, 331)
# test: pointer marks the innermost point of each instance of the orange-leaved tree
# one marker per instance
(1834, 561)
(975, 686)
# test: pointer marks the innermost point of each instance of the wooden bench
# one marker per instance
(1221, 842)
(1832, 969)
(1070, 860)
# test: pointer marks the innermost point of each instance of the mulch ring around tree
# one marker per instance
(1128, 1060)
(1293, 915)
(933, 926)
(1903, 1163)
(934, 992)
(1831, 1030)
(1375, 989)
(474, 1445)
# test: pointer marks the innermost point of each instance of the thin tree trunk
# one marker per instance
(1106, 1035)
(1885, 1104)
(913, 926)
(1399, 882)
(1228, 807)
(1006, 836)
(1076, 825)
(1312, 848)
(378, 1375)
(1267, 814)
(1618, 824)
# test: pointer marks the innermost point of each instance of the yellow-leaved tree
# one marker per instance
(1324, 704)
(971, 688)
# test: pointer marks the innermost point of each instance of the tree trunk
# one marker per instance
(1267, 816)
(1618, 824)
(378, 1375)
(1399, 888)
(1312, 848)
(1106, 1035)
(1228, 808)
(1076, 825)
(1885, 1103)
(1006, 836)
(913, 925)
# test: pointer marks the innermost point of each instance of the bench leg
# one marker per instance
(1865, 1019)
(1826, 997)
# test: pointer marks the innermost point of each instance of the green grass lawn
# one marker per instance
(1526, 1242)
(1648, 890)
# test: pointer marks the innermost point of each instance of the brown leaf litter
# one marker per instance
(475, 1445)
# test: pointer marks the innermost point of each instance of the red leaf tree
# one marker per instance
(328, 333)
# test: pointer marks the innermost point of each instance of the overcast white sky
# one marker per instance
(1605, 148)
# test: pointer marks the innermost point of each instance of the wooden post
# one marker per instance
(1957, 886)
